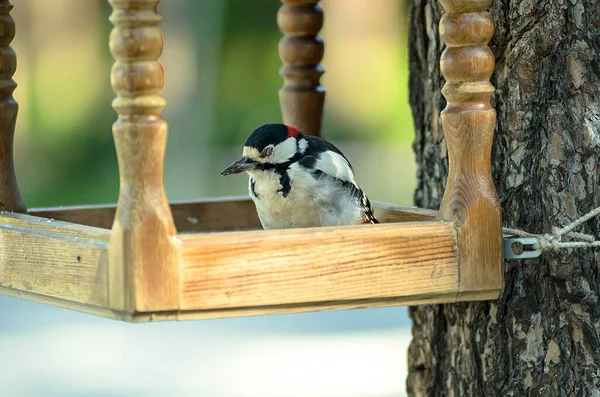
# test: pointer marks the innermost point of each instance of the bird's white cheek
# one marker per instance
(284, 151)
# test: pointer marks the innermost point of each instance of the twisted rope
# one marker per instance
(554, 241)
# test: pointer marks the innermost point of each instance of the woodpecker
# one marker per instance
(298, 180)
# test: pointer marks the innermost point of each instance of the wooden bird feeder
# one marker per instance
(146, 259)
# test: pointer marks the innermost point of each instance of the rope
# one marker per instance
(554, 241)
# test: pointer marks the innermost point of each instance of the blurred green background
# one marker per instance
(222, 67)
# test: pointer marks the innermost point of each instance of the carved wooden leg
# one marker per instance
(470, 198)
(143, 246)
(10, 197)
(301, 50)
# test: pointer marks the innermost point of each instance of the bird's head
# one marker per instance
(267, 147)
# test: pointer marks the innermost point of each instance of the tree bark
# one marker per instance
(542, 336)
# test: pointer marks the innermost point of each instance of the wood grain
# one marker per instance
(214, 214)
(301, 49)
(185, 315)
(233, 270)
(391, 213)
(468, 121)
(10, 197)
(53, 259)
(69, 305)
(203, 215)
(144, 254)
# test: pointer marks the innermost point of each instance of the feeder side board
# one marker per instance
(52, 260)
(214, 214)
(468, 121)
(408, 300)
(319, 265)
(203, 215)
(144, 255)
(301, 50)
(10, 197)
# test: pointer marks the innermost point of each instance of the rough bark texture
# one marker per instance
(542, 337)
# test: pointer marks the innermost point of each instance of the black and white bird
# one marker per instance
(299, 180)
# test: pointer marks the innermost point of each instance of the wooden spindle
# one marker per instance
(470, 198)
(143, 249)
(301, 50)
(10, 197)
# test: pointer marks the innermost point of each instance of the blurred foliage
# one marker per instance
(248, 70)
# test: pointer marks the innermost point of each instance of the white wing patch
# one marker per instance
(335, 165)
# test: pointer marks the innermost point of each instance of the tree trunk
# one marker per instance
(542, 337)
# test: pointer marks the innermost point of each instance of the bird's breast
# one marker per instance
(282, 202)
(307, 203)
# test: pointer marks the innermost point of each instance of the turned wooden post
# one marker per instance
(10, 197)
(301, 50)
(468, 121)
(143, 248)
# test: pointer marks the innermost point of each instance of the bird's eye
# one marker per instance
(267, 151)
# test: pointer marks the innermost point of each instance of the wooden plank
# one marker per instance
(100, 216)
(204, 215)
(214, 214)
(186, 315)
(468, 121)
(300, 266)
(53, 259)
(392, 213)
(69, 305)
(143, 254)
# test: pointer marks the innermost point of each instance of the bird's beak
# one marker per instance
(241, 165)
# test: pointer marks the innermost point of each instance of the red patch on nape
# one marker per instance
(292, 131)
